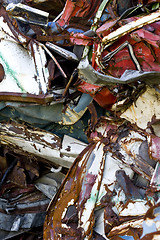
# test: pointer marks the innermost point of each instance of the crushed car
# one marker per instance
(79, 119)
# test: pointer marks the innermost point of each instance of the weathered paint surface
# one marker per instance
(39, 144)
(145, 110)
(129, 49)
(14, 58)
(96, 185)
(111, 190)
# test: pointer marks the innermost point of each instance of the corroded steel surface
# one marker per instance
(92, 68)
(97, 187)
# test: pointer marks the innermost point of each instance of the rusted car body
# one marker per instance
(109, 190)
(96, 57)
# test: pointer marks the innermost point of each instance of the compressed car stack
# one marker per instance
(80, 119)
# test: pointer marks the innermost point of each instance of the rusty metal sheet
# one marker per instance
(77, 201)
(28, 14)
(41, 144)
(150, 18)
(145, 110)
(52, 113)
(88, 74)
(117, 149)
(109, 188)
(31, 84)
(49, 183)
(34, 78)
(22, 221)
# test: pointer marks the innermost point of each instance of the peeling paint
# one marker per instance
(145, 109)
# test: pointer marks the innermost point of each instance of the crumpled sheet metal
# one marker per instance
(32, 79)
(28, 14)
(127, 54)
(29, 97)
(151, 229)
(113, 185)
(84, 11)
(44, 114)
(25, 188)
(50, 183)
(15, 222)
(88, 74)
(72, 195)
(40, 144)
(31, 214)
(138, 23)
(145, 110)
(106, 188)
(22, 206)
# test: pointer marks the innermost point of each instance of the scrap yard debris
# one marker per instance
(79, 119)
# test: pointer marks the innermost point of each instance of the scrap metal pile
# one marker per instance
(80, 119)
